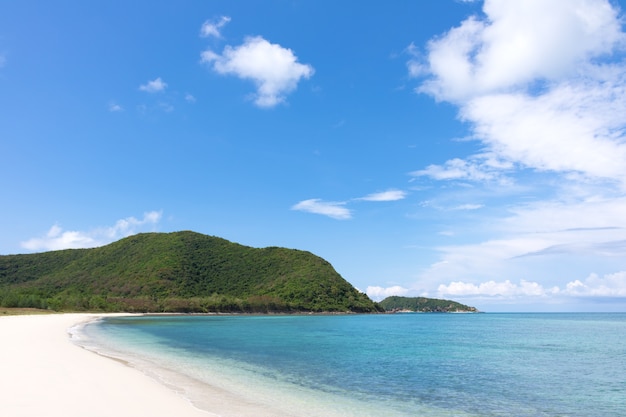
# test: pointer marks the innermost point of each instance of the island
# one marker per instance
(396, 304)
(179, 272)
(189, 272)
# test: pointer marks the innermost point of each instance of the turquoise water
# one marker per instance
(427, 365)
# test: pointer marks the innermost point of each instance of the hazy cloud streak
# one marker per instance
(335, 210)
(389, 195)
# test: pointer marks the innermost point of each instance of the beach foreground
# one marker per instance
(45, 374)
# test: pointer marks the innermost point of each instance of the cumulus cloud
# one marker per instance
(212, 28)
(389, 195)
(574, 127)
(153, 86)
(517, 43)
(3, 60)
(274, 70)
(538, 85)
(335, 210)
(611, 285)
(505, 289)
(378, 293)
(57, 238)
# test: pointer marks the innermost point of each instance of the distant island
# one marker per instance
(185, 272)
(424, 305)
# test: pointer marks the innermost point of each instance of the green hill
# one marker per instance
(177, 272)
(424, 305)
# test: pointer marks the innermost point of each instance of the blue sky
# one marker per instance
(454, 149)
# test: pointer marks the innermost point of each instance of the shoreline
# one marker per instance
(228, 388)
(45, 374)
(51, 368)
(217, 393)
(54, 367)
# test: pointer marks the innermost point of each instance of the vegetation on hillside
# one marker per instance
(424, 305)
(177, 272)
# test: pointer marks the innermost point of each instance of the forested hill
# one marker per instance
(177, 272)
(424, 305)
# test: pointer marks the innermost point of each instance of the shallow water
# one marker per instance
(431, 365)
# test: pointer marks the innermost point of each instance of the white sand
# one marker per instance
(43, 374)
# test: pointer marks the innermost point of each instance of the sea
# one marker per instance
(426, 365)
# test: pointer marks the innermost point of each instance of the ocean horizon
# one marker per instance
(428, 365)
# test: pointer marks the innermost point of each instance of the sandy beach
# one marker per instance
(44, 374)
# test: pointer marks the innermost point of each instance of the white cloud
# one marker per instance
(212, 28)
(114, 107)
(554, 242)
(3, 60)
(575, 127)
(517, 43)
(437, 205)
(415, 66)
(536, 82)
(505, 289)
(190, 98)
(273, 69)
(389, 195)
(458, 169)
(611, 285)
(378, 293)
(153, 86)
(57, 238)
(563, 220)
(335, 210)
